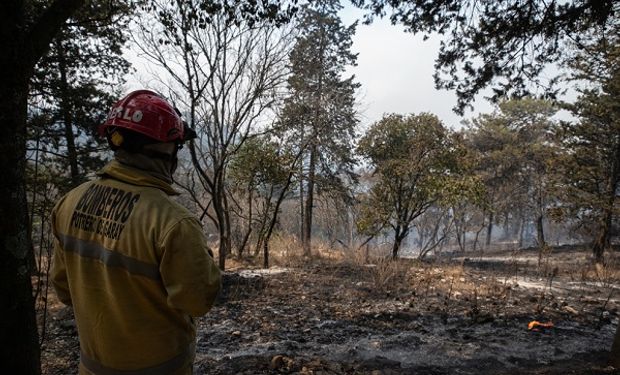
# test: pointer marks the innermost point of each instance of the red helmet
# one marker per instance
(147, 113)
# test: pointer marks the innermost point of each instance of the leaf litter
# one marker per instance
(449, 316)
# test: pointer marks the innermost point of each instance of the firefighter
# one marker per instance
(132, 262)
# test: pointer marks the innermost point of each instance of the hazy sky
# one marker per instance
(396, 69)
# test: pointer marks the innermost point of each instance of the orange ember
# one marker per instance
(534, 325)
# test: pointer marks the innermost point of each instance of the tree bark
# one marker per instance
(274, 217)
(20, 354)
(489, 230)
(66, 109)
(307, 244)
(218, 207)
(21, 47)
(246, 237)
(475, 246)
(521, 232)
(302, 217)
(459, 229)
(302, 232)
(227, 227)
(540, 232)
(263, 222)
(614, 355)
(399, 234)
(602, 240)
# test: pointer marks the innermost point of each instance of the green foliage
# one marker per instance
(200, 13)
(262, 170)
(73, 87)
(259, 164)
(591, 163)
(319, 113)
(502, 44)
(515, 154)
(416, 166)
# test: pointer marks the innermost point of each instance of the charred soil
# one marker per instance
(454, 315)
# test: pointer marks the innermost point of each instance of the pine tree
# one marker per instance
(73, 87)
(320, 112)
(592, 163)
(515, 148)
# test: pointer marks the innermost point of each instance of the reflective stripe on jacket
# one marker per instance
(134, 265)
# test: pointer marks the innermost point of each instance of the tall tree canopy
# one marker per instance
(514, 150)
(319, 113)
(592, 161)
(413, 161)
(502, 44)
(227, 77)
(73, 87)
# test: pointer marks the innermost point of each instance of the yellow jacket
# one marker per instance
(134, 266)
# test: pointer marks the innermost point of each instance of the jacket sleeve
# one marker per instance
(189, 273)
(58, 270)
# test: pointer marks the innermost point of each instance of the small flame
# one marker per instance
(534, 325)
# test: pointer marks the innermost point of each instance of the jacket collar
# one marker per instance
(135, 176)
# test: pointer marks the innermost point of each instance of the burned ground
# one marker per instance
(459, 315)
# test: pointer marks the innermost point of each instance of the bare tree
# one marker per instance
(433, 229)
(227, 77)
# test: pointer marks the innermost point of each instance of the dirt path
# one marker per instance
(391, 318)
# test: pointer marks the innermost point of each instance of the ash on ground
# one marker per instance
(458, 315)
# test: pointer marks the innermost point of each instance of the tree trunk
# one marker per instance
(20, 354)
(489, 230)
(261, 232)
(399, 235)
(263, 222)
(396, 247)
(218, 207)
(222, 249)
(351, 227)
(515, 228)
(228, 227)
(614, 355)
(521, 232)
(66, 109)
(459, 229)
(21, 48)
(266, 252)
(302, 232)
(540, 232)
(246, 237)
(274, 217)
(602, 239)
(475, 246)
(540, 239)
(307, 244)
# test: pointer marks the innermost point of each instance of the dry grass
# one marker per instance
(286, 251)
(388, 273)
(459, 289)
